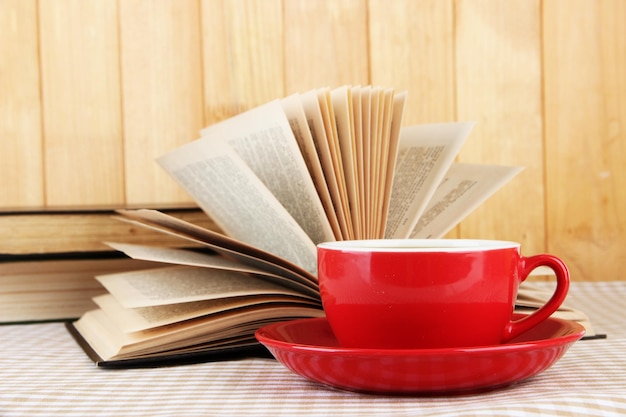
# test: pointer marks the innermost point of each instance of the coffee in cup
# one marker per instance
(429, 293)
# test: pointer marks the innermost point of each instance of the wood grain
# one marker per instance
(41, 233)
(412, 49)
(498, 78)
(21, 151)
(80, 85)
(92, 91)
(161, 65)
(242, 55)
(326, 44)
(585, 117)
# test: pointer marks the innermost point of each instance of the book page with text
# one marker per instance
(302, 132)
(220, 330)
(182, 284)
(399, 100)
(342, 108)
(233, 196)
(313, 113)
(332, 139)
(374, 151)
(263, 138)
(144, 318)
(463, 189)
(212, 261)
(357, 123)
(364, 169)
(385, 112)
(425, 153)
(225, 246)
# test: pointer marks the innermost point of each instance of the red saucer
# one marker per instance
(309, 348)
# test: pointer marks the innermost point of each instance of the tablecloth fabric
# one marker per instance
(43, 372)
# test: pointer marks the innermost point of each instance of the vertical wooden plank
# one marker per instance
(325, 44)
(498, 69)
(585, 107)
(412, 48)
(81, 102)
(21, 162)
(162, 91)
(242, 44)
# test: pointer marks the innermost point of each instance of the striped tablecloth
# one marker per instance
(44, 373)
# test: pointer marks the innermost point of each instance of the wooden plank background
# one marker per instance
(91, 91)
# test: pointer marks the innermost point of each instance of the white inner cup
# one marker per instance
(418, 245)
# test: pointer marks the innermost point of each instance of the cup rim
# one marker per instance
(418, 245)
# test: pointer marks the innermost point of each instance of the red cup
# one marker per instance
(429, 293)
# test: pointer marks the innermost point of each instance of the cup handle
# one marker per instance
(528, 264)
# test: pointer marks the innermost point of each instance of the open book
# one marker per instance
(329, 164)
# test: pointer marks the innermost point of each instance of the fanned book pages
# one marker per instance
(328, 164)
